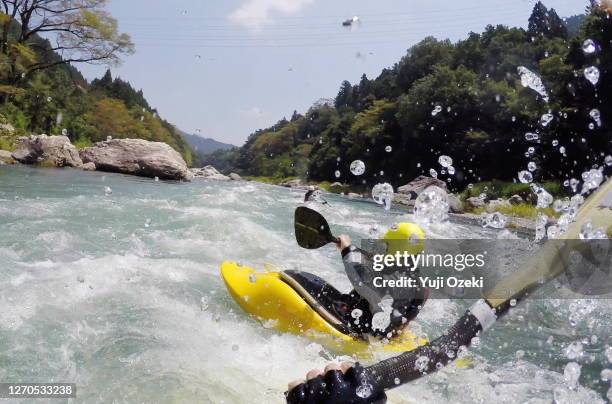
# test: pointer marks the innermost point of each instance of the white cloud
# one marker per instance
(254, 14)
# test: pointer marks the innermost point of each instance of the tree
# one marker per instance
(345, 95)
(82, 31)
(546, 22)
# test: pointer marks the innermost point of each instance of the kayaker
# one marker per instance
(314, 195)
(381, 312)
(309, 196)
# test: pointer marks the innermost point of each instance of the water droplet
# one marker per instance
(592, 179)
(364, 390)
(531, 136)
(531, 80)
(388, 149)
(147, 223)
(383, 194)
(108, 191)
(608, 160)
(445, 161)
(65, 132)
(156, 179)
(494, 220)
(337, 173)
(589, 46)
(525, 177)
(531, 166)
(596, 116)
(544, 198)
(574, 350)
(451, 171)
(433, 173)
(562, 149)
(252, 278)
(437, 109)
(49, 99)
(592, 74)
(555, 143)
(546, 119)
(421, 363)
(431, 205)
(357, 167)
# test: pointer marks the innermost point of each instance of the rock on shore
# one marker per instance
(137, 157)
(54, 150)
(6, 157)
(210, 173)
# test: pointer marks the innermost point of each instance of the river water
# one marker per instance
(106, 291)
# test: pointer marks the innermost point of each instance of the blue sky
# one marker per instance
(227, 68)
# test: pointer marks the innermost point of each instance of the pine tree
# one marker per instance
(538, 21)
(344, 97)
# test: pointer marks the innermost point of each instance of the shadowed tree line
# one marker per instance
(464, 100)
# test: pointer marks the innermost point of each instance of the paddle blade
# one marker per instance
(311, 229)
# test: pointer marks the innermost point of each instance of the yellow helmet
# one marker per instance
(405, 237)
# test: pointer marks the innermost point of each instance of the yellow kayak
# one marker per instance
(288, 301)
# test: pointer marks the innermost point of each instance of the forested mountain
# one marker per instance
(469, 100)
(42, 93)
(202, 146)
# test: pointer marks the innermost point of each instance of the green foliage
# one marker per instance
(500, 189)
(464, 100)
(524, 210)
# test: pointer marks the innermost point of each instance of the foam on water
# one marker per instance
(91, 295)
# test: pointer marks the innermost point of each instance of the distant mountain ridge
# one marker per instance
(203, 145)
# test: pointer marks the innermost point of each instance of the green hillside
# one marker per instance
(462, 99)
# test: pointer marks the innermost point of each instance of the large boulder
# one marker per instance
(53, 150)
(416, 186)
(6, 157)
(137, 157)
(210, 173)
(235, 177)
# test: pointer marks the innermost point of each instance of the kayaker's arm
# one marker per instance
(367, 385)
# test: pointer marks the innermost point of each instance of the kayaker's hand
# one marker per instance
(344, 241)
(344, 383)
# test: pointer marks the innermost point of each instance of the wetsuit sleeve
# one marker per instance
(360, 276)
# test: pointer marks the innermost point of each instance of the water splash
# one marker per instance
(531, 80)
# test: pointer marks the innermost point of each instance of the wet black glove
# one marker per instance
(354, 387)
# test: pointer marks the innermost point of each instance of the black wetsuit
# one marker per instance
(406, 304)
